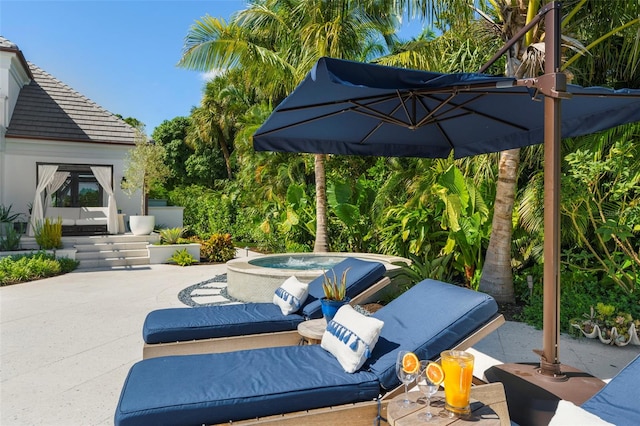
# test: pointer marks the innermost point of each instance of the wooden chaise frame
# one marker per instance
(251, 341)
(366, 413)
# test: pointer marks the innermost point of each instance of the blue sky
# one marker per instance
(121, 54)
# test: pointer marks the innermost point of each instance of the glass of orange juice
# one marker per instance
(458, 374)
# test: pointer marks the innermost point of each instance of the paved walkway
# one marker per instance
(67, 343)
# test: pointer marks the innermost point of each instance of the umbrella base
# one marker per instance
(533, 397)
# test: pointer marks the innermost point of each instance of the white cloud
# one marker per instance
(210, 75)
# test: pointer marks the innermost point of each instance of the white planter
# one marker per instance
(141, 225)
(162, 253)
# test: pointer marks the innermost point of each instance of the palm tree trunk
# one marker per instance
(320, 245)
(497, 276)
(227, 158)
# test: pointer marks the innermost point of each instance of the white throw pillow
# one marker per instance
(568, 414)
(350, 337)
(291, 295)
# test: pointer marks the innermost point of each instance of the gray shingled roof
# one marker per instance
(49, 109)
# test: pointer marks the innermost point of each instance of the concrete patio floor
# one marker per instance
(67, 342)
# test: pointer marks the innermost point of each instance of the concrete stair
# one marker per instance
(109, 251)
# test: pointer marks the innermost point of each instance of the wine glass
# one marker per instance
(428, 388)
(406, 378)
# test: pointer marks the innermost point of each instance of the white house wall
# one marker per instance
(19, 169)
(12, 78)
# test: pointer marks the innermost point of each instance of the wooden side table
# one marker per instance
(488, 408)
(311, 331)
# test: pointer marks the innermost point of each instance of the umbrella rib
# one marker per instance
(370, 112)
(368, 135)
(435, 110)
(299, 123)
(463, 106)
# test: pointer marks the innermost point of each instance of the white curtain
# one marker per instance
(46, 175)
(58, 179)
(103, 175)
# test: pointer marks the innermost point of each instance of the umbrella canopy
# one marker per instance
(353, 108)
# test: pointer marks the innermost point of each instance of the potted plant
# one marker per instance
(144, 168)
(335, 294)
(609, 326)
(6, 219)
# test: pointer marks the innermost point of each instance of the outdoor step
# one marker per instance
(117, 246)
(106, 254)
(106, 251)
(113, 262)
(120, 238)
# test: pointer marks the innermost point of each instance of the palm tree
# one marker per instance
(277, 42)
(214, 122)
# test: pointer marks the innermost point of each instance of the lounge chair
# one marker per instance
(616, 403)
(252, 384)
(182, 331)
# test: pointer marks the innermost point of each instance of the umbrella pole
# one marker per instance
(550, 358)
(533, 391)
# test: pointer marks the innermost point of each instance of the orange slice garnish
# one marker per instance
(434, 373)
(410, 363)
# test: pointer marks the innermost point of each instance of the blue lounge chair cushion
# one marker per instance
(216, 388)
(181, 324)
(362, 274)
(184, 324)
(195, 389)
(427, 319)
(617, 401)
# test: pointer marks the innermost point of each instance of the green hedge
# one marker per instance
(29, 267)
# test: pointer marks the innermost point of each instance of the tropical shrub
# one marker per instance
(206, 211)
(48, 234)
(11, 239)
(466, 217)
(29, 267)
(182, 258)
(601, 197)
(171, 235)
(218, 248)
(580, 289)
(5, 214)
(352, 205)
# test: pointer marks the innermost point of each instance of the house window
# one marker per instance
(81, 189)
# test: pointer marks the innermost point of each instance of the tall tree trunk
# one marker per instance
(497, 276)
(227, 158)
(320, 245)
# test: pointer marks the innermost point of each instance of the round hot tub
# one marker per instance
(255, 279)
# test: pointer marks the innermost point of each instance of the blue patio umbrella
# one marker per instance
(352, 108)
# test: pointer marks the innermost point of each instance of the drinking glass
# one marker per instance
(458, 373)
(405, 378)
(428, 388)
